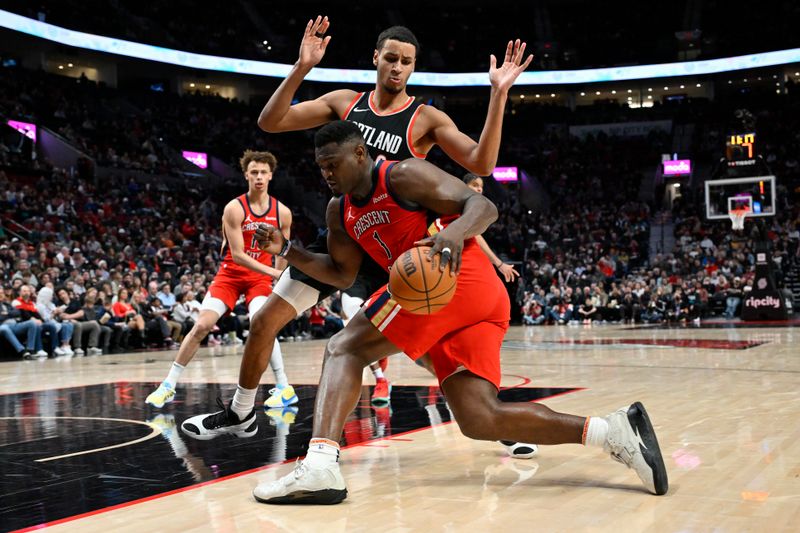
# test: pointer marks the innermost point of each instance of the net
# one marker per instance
(737, 217)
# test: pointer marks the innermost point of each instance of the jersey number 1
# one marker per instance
(383, 244)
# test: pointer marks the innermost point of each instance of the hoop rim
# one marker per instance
(737, 217)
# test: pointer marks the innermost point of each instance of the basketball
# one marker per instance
(418, 285)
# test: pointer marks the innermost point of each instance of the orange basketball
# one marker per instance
(418, 285)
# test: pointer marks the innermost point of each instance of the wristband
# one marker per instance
(498, 265)
(287, 245)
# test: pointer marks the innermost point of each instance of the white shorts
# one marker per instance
(299, 295)
(218, 306)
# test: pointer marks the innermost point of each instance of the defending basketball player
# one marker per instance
(390, 113)
(397, 201)
(395, 125)
(244, 268)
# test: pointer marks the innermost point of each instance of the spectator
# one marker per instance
(24, 304)
(587, 312)
(166, 296)
(51, 316)
(14, 329)
(73, 311)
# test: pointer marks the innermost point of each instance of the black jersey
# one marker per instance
(388, 134)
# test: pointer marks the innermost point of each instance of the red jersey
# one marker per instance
(249, 225)
(385, 226)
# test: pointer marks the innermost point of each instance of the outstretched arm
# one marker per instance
(508, 271)
(481, 157)
(338, 267)
(279, 114)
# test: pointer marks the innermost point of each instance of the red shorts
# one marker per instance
(230, 282)
(465, 335)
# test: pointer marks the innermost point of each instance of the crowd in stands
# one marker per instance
(119, 266)
(93, 264)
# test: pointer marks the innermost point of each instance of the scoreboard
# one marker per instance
(740, 149)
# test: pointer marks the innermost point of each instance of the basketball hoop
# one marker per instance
(737, 217)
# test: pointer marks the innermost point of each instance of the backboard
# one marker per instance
(757, 193)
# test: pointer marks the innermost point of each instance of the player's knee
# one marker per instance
(336, 346)
(478, 423)
(340, 347)
(201, 328)
(263, 323)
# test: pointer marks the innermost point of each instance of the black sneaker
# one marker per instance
(210, 426)
(26, 354)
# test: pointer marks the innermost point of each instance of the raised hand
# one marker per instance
(314, 43)
(504, 76)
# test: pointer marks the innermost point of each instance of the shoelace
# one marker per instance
(219, 418)
(299, 469)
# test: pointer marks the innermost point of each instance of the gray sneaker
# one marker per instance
(632, 441)
(304, 485)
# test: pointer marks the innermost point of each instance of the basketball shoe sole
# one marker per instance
(304, 486)
(632, 441)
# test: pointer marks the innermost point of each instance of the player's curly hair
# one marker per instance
(259, 157)
(338, 132)
(398, 33)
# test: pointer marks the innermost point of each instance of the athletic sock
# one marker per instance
(378, 373)
(174, 374)
(243, 401)
(595, 431)
(322, 453)
(276, 364)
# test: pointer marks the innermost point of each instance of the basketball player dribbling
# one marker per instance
(244, 268)
(399, 127)
(463, 339)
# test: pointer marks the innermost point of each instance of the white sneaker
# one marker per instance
(212, 425)
(41, 354)
(79, 352)
(68, 351)
(94, 351)
(632, 441)
(304, 485)
(59, 351)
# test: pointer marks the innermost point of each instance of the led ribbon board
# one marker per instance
(98, 43)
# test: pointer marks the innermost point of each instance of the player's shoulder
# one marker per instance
(234, 207)
(340, 99)
(433, 116)
(407, 168)
(335, 202)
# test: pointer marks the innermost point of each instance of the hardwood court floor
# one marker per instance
(725, 403)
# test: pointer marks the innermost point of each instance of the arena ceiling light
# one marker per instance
(181, 58)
